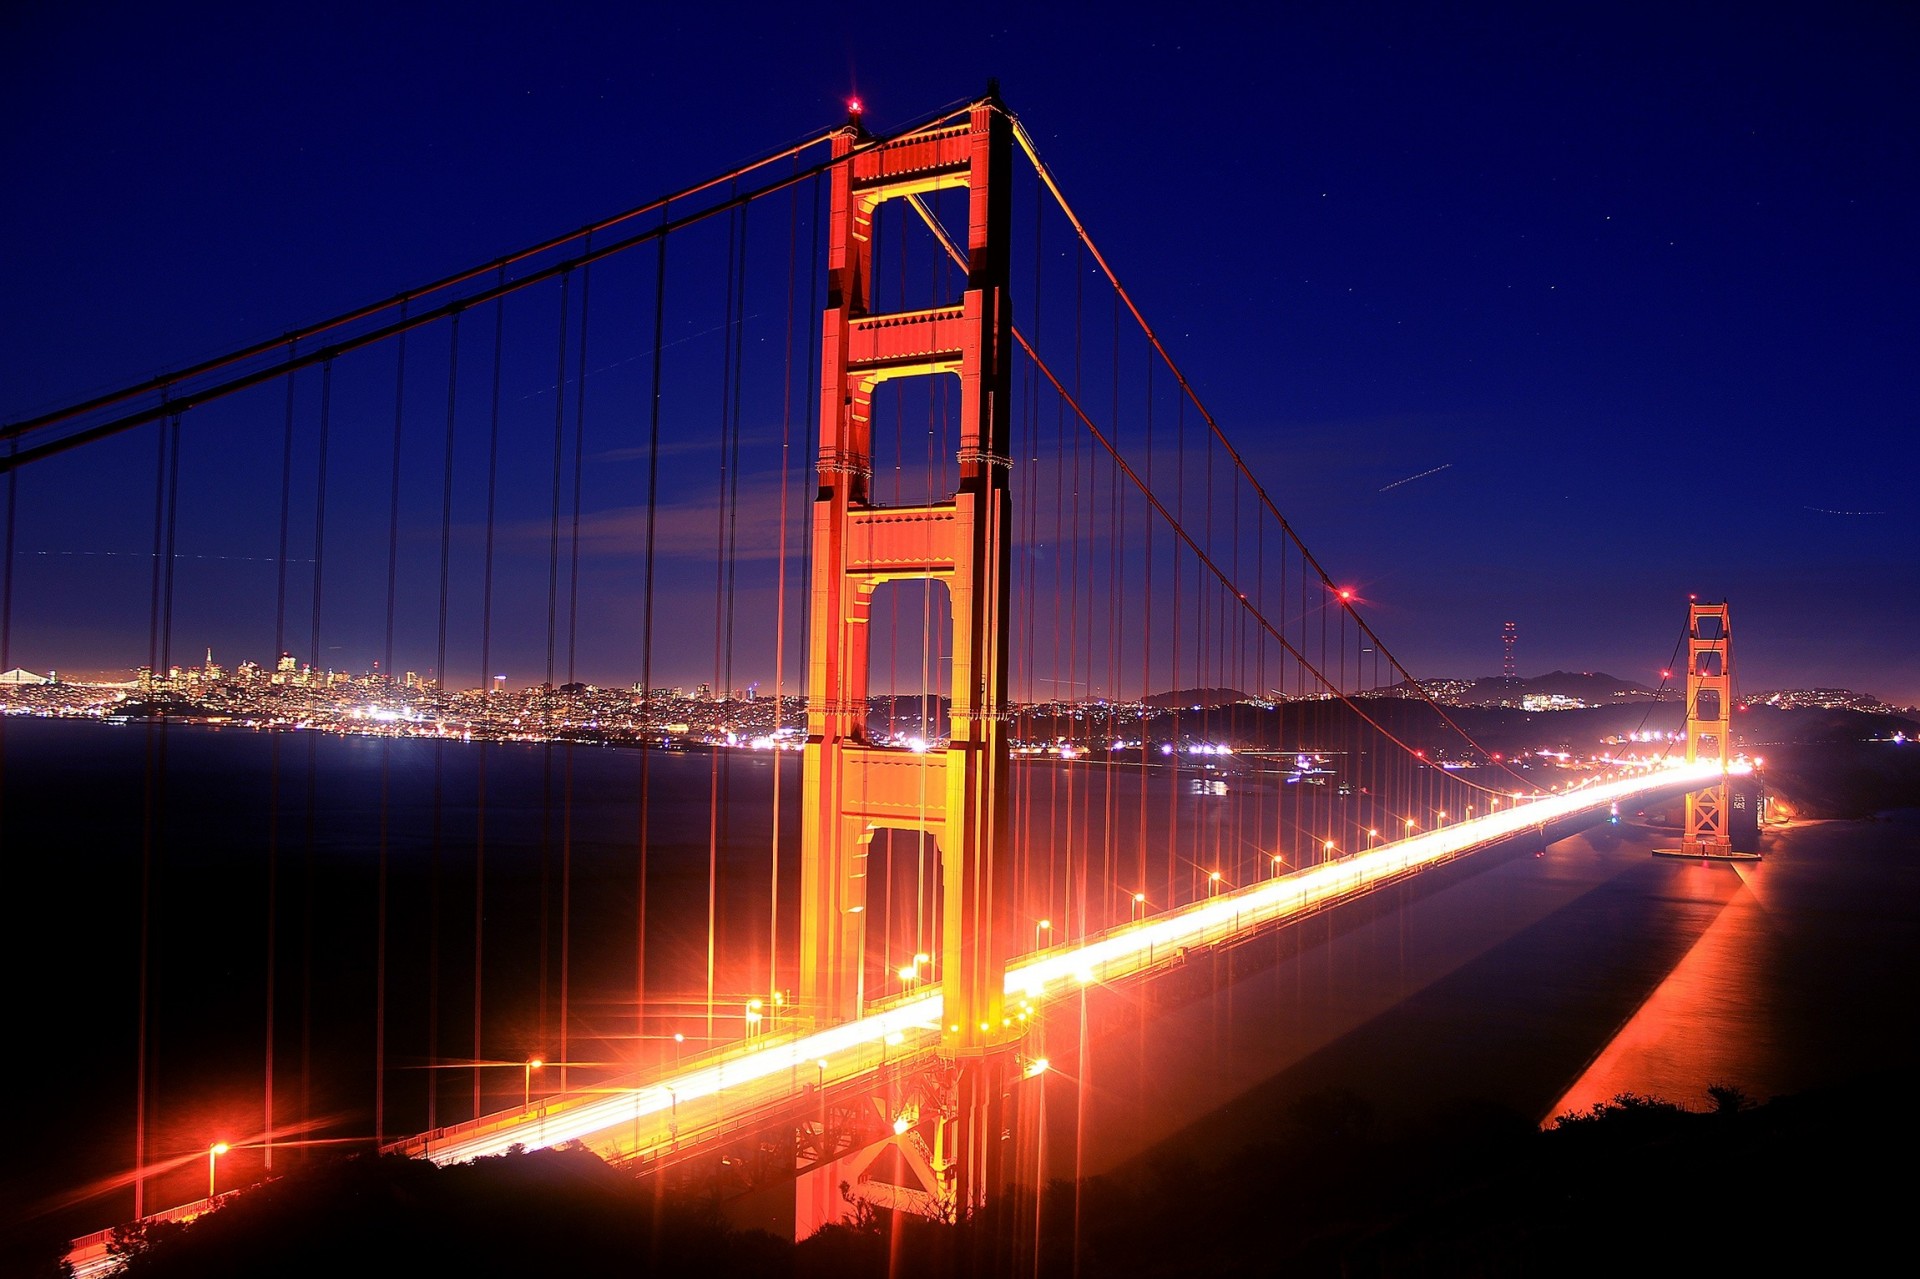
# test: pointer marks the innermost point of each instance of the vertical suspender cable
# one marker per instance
(815, 317)
(486, 694)
(148, 832)
(386, 758)
(573, 636)
(780, 595)
(313, 750)
(440, 742)
(719, 690)
(271, 965)
(646, 634)
(549, 692)
(733, 503)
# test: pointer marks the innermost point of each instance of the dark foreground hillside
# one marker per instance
(1639, 1185)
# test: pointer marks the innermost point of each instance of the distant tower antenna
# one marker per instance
(1507, 636)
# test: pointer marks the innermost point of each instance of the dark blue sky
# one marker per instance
(1629, 289)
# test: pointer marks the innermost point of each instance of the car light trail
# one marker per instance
(657, 1117)
(654, 1117)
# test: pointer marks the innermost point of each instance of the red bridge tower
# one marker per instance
(853, 788)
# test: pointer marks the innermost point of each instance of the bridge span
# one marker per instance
(651, 1118)
(822, 1081)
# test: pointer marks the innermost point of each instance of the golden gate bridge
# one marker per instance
(590, 452)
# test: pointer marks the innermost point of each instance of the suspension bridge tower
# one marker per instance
(1709, 730)
(853, 788)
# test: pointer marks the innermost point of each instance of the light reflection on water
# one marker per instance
(1536, 986)
(1711, 1020)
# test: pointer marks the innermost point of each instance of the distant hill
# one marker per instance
(1182, 698)
(1596, 688)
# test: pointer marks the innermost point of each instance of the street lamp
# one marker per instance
(1044, 926)
(214, 1152)
(1134, 911)
(820, 1083)
(1410, 826)
(1213, 883)
(1371, 836)
(1443, 816)
(1328, 849)
(679, 1041)
(526, 1083)
(1278, 862)
(753, 1017)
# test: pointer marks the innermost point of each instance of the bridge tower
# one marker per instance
(1709, 736)
(853, 788)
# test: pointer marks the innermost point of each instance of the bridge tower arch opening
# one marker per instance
(853, 785)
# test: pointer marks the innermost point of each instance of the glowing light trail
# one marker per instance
(656, 1117)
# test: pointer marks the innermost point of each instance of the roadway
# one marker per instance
(722, 1091)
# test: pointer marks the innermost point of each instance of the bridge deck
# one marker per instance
(720, 1093)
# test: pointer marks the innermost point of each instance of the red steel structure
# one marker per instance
(1709, 705)
(959, 796)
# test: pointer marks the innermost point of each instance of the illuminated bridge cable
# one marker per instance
(386, 755)
(183, 400)
(162, 381)
(308, 885)
(486, 695)
(780, 592)
(550, 693)
(154, 777)
(1046, 177)
(646, 635)
(573, 635)
(272, 922)
(437, 855)
(816, 310)
(721, 578)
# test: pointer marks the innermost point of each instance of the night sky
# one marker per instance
(1530, 316)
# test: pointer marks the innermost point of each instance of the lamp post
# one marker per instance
(214, 1152)
(1327, 848)
(1278, 862)
(753, 1017)
(1213, 884)
(1410, 826)
(1044, 926)
(679, 1042)
(526, 1084)
(1372, 835)
(1139, 904)
(820, 1082)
